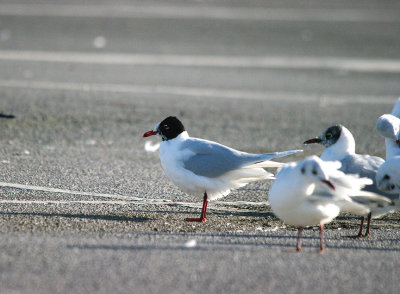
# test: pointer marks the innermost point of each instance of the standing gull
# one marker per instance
(313, 192)
(340, 146)
(202, 167)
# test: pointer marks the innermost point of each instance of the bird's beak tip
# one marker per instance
(149, 133)
(312, 141)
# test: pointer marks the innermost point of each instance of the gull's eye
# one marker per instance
(303, 170)
(386, 177)
(328, 136)
(166, 127)
(314, 172)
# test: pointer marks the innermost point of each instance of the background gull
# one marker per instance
(340, 145)
(313, 192)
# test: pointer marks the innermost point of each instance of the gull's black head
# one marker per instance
(329, 137)
(170, 128)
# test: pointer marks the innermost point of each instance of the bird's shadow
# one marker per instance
(261, 214)
(211, 212)
(148, 247)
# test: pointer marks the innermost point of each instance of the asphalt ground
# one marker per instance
(84, 208)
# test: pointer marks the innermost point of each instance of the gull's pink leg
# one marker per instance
(368, 223)
(203, 211)
(298, 247)
(360, 233)
(321, 238)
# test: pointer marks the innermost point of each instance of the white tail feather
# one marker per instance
(267, 163)
(369, 196)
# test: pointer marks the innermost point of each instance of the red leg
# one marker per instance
(298, 247)
(203, 216)
(368, 223)
(321, 238)
(360, 233)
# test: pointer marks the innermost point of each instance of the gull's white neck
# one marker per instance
(177, 140)
(169, 150)
(344, 146)
(182, 136)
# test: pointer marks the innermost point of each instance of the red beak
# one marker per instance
(329, 183)
(149, 133)
(398, 142)
(313, 140)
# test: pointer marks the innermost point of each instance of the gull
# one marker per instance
(202, 167)
(340, 146)
(313, 192)
(388, 126)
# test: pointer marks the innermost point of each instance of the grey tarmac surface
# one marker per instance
(84, 208)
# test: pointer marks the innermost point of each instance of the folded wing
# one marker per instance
(210, 159)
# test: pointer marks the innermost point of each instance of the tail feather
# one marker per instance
(265, 159)
(368, 197)
(268, 156)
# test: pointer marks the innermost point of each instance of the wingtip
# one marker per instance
(290, 152)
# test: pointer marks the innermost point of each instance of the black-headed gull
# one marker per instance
(202, 167)
(388, 126)
(340, 146)
(313, 192)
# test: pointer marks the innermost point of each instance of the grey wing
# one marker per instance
(365, 166)
(211, 159)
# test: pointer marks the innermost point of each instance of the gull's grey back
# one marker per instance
(365, 166)
(211, 159)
